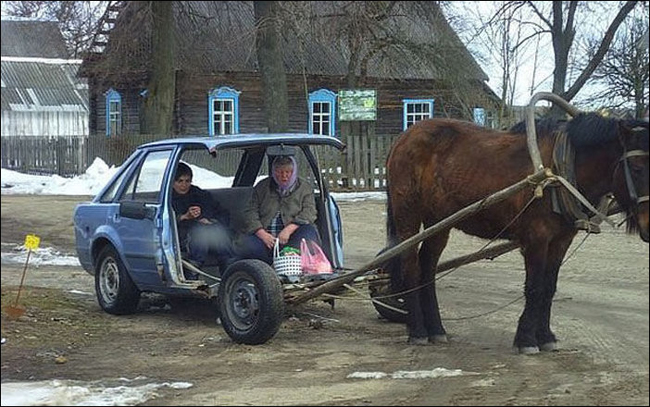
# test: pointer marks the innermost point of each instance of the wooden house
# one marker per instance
(41, 93)
(404, 65)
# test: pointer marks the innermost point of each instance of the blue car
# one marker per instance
(127, 236)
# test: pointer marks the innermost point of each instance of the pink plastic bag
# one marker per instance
(312, 258)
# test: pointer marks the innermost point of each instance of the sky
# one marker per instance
(111, 391)
(537, 62)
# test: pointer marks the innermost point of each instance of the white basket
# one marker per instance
(285, 265)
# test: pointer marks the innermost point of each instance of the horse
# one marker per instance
(438, 166)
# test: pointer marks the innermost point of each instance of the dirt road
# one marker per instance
(600, 316)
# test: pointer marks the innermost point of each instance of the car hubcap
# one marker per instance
(109, 280)
(245, 302)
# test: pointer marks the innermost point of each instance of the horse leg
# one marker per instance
(535, 258)
(546, 339)
(428, 256)
(410, 272)
(413, 298)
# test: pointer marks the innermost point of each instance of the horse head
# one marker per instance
(630, 178)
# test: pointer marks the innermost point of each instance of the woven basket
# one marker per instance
(285, 265)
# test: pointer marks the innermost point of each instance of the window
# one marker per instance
(490, 121)
(113, 113)
(322, 105)
(146, 183)
(224, 111)
(479, 116)
(416, 110)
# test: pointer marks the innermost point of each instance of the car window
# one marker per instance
(211, 171)
(109, 195)
(146, 183)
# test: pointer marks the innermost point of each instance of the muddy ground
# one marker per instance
(600, 316)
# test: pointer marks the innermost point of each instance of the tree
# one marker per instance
(502, 36)
(562, 28)
(271, 65)
(77, 19)
(624, 70)
(158, 109)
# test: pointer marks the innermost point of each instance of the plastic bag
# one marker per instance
(312, 258)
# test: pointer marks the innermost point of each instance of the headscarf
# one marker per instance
(285, 189)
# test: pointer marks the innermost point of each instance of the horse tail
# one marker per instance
(393, 265)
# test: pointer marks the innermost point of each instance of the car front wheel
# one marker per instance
(116, 292)
(251, 302)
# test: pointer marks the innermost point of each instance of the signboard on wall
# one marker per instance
(357, 104)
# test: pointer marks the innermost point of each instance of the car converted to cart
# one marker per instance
(127, 237)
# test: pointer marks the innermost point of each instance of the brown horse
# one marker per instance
(440, 166)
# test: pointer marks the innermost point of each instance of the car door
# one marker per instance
(141, 237)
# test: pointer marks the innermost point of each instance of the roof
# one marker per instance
(31, 38)
(220, 37)
(42, 84)
(250, 140)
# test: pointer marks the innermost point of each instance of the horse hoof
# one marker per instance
(438, 339)
(418, 341)
(548, 347)
(527, 350)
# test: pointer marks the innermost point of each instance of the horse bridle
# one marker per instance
(631, 189)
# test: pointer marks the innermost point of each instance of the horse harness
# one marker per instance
(569, 203)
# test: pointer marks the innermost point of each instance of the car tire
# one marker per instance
(251, 302)
(116, 292)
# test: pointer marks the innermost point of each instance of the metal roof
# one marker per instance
(249, 140)
(40, 84)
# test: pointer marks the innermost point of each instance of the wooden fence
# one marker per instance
(361, 167)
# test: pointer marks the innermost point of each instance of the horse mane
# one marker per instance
(584, 130)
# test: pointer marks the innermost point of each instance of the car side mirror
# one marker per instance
(136, 210)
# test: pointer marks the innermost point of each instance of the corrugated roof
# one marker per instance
(42, 84)
(220, 37)
(29, 38)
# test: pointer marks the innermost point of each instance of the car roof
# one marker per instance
(213, 143)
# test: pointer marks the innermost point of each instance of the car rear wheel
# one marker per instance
(116, 292)
(251, 302)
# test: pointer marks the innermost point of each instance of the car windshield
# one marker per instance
(219, 169)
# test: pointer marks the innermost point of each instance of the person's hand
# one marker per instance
(193, 212)
(267, 238)
(286, 233)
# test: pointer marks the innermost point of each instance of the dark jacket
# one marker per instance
(298, 207)
(210, 209)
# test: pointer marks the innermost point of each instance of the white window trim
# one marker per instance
(323, 96)
(113, 96)
(221, 94)
(406, 102)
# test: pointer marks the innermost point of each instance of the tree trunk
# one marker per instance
(159, 100)
(271, 66)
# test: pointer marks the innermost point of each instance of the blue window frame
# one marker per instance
(416, 110)
(113, 113)
(479, 116)
(322, 109)
(223, 113)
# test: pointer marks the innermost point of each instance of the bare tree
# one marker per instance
(77, 19)
(623, 73)
(502, 36)
(562, 26)
(271, 65)
(159, 101)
